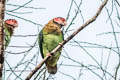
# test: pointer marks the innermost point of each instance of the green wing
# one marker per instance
(40, 40)
(7, 37)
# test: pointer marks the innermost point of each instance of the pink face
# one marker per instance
(12, 22)
(60, 21)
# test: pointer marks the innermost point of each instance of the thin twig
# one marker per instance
(24, 19)
(116, 42)
(117, 3)
(22, 6)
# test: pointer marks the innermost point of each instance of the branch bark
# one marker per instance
(68, 39)
(2, 9)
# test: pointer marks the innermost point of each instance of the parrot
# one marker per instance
(9, 26)
(49, 38)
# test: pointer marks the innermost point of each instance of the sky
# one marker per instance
(59, 8)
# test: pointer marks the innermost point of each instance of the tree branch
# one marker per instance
(68, 39)
(2, 9)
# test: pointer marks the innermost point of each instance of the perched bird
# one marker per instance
(9, 26)
(49, 37)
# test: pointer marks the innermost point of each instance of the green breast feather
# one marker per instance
(47, 43)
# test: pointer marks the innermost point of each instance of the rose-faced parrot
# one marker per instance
(49, 37)
(9, 26)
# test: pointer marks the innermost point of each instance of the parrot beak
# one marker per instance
(65, 23)
(15, 25)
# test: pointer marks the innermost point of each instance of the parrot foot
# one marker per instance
(60, 44)
(48, 54)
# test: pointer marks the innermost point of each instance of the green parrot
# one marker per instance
(9, 26)
(49, 37)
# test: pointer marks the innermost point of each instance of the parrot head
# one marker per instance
(60, 21)
(11, 23)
